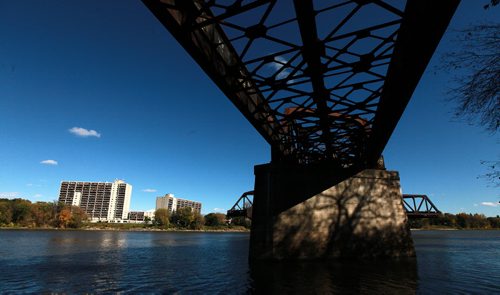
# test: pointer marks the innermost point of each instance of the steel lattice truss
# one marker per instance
(419, 206)
(320, 80)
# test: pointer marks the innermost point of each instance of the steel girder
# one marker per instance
(419, 206)
(319, 80)
(242, 207)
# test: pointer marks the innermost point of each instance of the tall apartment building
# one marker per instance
(172, 203)
(101, 201)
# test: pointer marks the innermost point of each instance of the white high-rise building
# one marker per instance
(101, 201)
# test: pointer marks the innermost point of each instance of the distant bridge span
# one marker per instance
(416, 206)
(325, 83)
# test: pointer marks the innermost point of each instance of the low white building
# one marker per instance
(140, 216)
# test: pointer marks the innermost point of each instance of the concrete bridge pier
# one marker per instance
(311, 212)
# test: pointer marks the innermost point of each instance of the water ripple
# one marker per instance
(216, 263)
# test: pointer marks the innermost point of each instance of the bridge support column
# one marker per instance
(298, 214)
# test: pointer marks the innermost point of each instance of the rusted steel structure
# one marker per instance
(319, 80)
(419, 206)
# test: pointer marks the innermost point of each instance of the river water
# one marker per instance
(206, 263)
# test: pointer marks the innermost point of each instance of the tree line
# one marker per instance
(24, 213)
(186, 218)
(20, 212)
(458, 221)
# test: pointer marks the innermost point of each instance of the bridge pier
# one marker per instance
(298, 214)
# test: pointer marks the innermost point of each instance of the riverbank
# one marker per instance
(233, 229)
(452, 229)
(132, 227)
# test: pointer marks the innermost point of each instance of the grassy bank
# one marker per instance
(149, 227)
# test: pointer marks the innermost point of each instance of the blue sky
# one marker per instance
(160, 124)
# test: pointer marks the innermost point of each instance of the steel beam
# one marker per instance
(330, 77)
(311, 52)
(424, 23)
(210, 48)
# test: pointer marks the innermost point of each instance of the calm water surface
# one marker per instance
(199, 263)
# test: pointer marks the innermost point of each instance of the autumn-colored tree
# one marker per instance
(461, 220)
(64, 217)
(494, 221)
(78, 217)
(43, 214)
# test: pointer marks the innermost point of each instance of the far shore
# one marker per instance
(416, 229)
(134, 229)
(207, 230)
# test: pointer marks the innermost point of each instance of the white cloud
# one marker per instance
(49, 162)
(490, 204)
(82, 132)
(475, 205)
(149, 190)
(218, 210)
(278, 65)
(29, 184)
(37, 195)
(9, 194)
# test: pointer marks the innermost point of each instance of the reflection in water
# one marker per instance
(217, 263)
(321, 277)
(113, 240)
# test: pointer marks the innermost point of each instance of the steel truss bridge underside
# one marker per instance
(320, 80)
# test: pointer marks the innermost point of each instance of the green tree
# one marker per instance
(147, 219)
(21, 212)
(161, 217)
(215, 219)
(78, 217)
(449, 220)
(494, 221)
(5, 211)
(241, 221)
(198, 221)
(183, 217)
